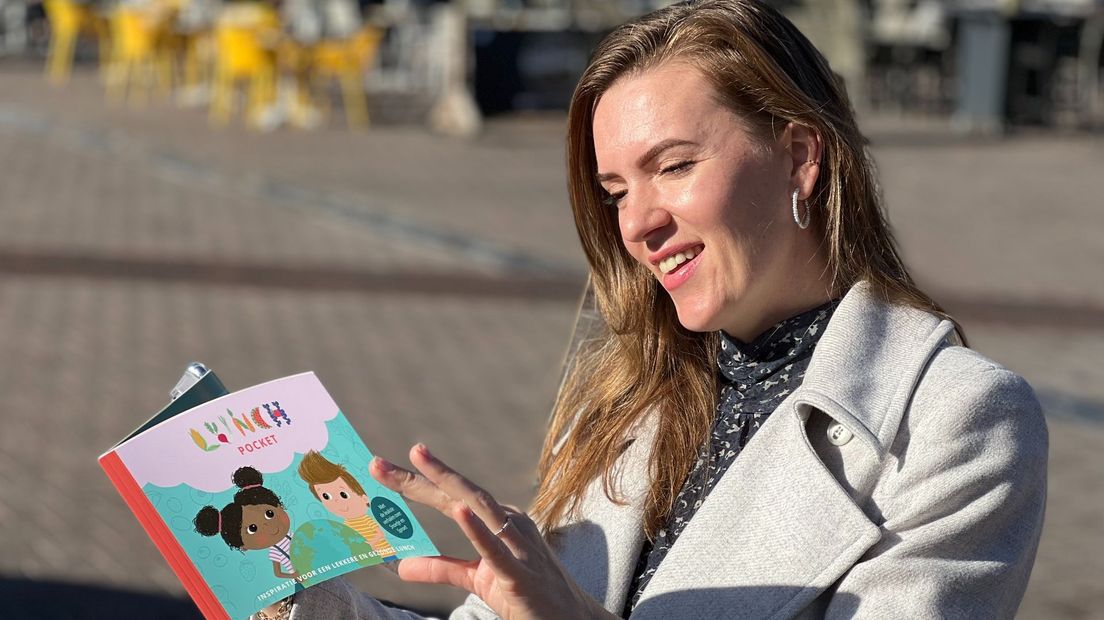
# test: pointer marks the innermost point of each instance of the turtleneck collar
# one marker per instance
(746, 364)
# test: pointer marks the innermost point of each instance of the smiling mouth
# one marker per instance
(672, 263)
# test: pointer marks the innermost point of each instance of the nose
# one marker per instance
(640, 217)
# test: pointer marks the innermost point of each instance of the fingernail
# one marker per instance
(384, 465)
(421, 447)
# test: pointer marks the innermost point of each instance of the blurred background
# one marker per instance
(375, 191)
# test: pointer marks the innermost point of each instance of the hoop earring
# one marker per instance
(802, 223)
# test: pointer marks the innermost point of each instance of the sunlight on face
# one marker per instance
(687, 178)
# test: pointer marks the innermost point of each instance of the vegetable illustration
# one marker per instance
(222, 437)
(200, 441)
(243, 424)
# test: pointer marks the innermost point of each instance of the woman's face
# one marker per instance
(688, 178)
(263, 526)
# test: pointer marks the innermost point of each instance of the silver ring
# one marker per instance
(504, 527)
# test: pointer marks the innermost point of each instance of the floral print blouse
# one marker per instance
(752, 380)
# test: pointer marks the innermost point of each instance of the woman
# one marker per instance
(771, 419)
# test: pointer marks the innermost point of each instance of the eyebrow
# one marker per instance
(649, 155)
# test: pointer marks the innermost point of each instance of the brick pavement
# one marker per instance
(396, 171)
(89, 357)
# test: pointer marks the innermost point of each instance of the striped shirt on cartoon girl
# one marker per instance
(342, 495)
(255, 520)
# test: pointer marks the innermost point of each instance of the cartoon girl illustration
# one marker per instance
(256, 519)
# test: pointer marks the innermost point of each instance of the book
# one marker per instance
(253, 495)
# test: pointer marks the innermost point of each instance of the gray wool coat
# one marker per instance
(930, 506)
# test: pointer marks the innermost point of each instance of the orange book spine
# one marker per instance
(166, 543)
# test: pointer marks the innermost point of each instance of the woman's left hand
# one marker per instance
(517, 573)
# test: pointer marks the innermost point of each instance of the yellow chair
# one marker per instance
(347, 61)
(245, 38)
(199, 56)
(139, 57)
(293, 60)
(68, 20)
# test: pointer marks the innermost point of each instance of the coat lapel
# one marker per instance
(778, 529)
(775, 532)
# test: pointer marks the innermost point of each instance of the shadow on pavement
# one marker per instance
(26, 599)
(29, 599)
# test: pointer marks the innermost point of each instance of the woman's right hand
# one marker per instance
(517, 574)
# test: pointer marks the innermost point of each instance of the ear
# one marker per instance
(803, 145)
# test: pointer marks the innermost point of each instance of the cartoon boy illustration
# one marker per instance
(342, 495)
(255, 520)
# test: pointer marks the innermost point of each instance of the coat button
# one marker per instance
(838, 434)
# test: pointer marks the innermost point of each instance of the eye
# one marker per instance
(678, 167)
(326, 496)
(252, 529)
(344, 495)
(269, 514)
(614, 199)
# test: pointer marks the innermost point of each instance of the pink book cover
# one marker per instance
(260, 493)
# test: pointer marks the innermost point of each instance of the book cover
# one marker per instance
(259, 493)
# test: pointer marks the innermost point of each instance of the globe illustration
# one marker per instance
(320, 542)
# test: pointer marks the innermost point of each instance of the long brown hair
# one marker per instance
(641, 360)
